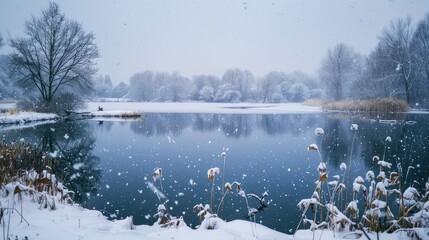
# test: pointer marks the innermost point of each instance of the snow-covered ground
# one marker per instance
(195, 107)
(118, 109)
(25, 117)
(71, 222)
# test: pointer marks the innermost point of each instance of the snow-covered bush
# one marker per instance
(375, 195)
(232, 96)
(298, 92)
(207, 94)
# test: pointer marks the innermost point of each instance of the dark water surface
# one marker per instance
(110, 162)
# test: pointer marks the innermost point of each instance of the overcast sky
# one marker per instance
(210, 36)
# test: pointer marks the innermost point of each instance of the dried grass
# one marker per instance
(373, 105)
(13, 111)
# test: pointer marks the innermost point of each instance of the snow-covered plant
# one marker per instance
(384, 164)
(210, 221)
(162, 215)
(357, 185)
(369, 176)
(337, 220)
(319, 132)
(211, 174)
(421, 218)
(157, 174)
(411, 196)
(312, 146)
(354, 127)
(380, 190)
(228, 187)
(223, 155)
(378, 209)
(343, 166)
(353, 209)
(202, 210)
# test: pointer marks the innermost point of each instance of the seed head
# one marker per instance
(319, 131)
(312, 147)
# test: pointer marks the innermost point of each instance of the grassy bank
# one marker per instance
(374, 105)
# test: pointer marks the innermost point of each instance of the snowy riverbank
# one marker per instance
(135, 109)
(196, 107)
(71, 222)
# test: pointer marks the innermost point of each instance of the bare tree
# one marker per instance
(420, 50)
(239, 80)
(268, 85)
(142, 86)
(103, 86)
(337, 69)
(374, 76)
(396, 39)
(56, 57)
(210, 84)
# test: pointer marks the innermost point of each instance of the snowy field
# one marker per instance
(71, 222)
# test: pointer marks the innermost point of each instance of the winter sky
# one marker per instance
(210, 36)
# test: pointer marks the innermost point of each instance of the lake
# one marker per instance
(110, 163)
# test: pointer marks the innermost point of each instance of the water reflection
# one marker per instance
(75, 163)
(231, 125)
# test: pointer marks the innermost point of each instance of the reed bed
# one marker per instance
(373, 105)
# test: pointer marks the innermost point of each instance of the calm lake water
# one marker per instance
(108, 163)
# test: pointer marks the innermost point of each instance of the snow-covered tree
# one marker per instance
(172, 88)
(420, 50)
(232, 96)
(121, 90)
(336, 70)
(268, 85)
(239, 80)
(396, 40)
(200, 82)
(7, 88)
(142, 86)
(206, 94)
(298, 92)
(103, 86)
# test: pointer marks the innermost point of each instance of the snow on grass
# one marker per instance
(73, 222)
(26, 117)
(70, 222)
(113, 113)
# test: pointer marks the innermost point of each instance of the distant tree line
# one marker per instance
(397, 68)
(236, 85)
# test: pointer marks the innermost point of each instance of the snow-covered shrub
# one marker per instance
(207, 94)
(211, 221)
(298, 92)
(232, 96)
(162, 215)
(421, 218)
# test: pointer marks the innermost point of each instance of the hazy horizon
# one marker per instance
(209, 37)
